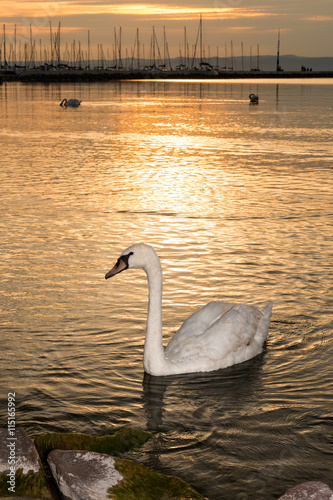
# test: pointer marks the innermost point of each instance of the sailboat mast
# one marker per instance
(258, 67)
(278, 67)
(185, 58)
(137, 48)
(51, 44)
(115, 44)
(58, 45)
(154, 55)
(4, 45)
(120, 59)
(164, 47)
(242, 50)
(88, 50)
(15, 44)
(31, 60)
(200, 40)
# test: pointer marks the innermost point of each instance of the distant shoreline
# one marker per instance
(86, 75)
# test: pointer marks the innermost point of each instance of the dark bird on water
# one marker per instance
(71, 103)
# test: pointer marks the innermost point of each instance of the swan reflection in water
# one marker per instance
(196, 394)
(196, 417)
(219, 335)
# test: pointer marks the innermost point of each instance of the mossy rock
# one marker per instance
(28, 485)
(116, 444)
(29, 479)
(141, 482)
(89, 475)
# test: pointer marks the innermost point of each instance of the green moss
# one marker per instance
(141, 482)
(115, 444)
(31, 484)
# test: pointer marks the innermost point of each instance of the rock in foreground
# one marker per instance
(312, 490)
(86, 475)
(21, 472)
(83, 475)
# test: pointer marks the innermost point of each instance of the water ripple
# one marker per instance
(237, 203)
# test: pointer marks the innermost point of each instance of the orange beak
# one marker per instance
(120, 266)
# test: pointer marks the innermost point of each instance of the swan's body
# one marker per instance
(220, 334)
(71, 103)
(254, 99)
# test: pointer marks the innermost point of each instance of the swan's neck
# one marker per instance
(153, 355)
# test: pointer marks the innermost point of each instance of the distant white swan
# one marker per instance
(218, 335)
(71, 103)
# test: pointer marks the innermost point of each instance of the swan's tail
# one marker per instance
(268, 309)
(263, 325)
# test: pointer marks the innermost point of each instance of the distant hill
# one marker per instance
(268, 63)
(237, 63)
(294, 63)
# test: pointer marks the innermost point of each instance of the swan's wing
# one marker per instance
(234, 329)
(196, 324)
(73, 102)
(201, 320)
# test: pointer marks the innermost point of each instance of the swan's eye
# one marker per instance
(124, 258)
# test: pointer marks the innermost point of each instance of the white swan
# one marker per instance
(71, 103)
(218, 335)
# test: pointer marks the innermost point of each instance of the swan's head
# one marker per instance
(135, 257)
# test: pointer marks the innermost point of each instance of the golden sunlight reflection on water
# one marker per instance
(237, 201)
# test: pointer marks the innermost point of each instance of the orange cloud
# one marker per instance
(319, 18)
(41, 10)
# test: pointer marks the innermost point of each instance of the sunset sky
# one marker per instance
(306, 26)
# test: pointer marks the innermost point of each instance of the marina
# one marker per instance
(30, 60)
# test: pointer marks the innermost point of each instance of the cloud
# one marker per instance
(39, 9)
(319, 18)
(306, 25)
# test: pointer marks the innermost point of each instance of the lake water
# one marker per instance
(237, 201)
